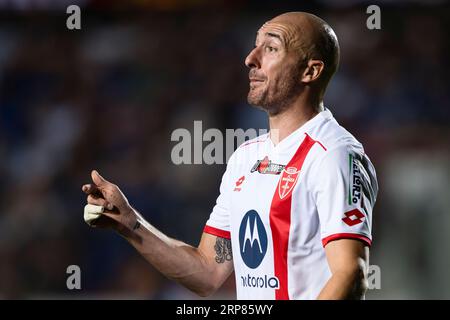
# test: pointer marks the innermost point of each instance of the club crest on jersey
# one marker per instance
(287, 181)
(265, 166)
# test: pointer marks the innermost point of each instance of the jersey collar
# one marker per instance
(298, 135)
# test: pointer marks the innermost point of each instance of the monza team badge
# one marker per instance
(287, 181)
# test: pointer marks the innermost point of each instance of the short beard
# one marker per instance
(278, 101)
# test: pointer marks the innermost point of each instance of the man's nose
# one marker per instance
(253, 59)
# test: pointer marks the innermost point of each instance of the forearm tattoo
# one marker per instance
(223, 250)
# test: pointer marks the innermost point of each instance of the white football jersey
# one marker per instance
(281, 204)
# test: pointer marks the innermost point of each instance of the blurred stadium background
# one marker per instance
(109, 96)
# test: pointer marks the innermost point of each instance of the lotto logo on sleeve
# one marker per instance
(252, 239)
(353, 217)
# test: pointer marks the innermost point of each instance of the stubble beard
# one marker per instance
(276, 100)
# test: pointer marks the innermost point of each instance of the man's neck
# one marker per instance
(283, 124)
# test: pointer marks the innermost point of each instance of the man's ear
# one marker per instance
(313, 70)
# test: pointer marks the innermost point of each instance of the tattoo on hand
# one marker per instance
(223, 250)
(136, 225)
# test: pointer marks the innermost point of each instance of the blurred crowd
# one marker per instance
(107, 97)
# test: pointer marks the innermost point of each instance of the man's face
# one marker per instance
(275, 69)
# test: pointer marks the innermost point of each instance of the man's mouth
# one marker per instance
(254, 77)
(255, 80)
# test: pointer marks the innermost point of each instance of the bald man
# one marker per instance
(293, 218)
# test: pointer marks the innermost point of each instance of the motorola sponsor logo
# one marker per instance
(252, 239)
(253, 249)
(260, 282)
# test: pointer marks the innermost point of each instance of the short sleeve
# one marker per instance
(218, 223)
(345, 190)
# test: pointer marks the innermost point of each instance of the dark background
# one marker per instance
(109, 96)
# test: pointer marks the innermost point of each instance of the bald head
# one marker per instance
(311, 37)
(294, 58)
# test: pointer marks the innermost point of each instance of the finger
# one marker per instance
(92, 189)
(98, 179)
(99, 202)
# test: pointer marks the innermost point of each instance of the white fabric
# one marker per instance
(332, 198)
(92, 212)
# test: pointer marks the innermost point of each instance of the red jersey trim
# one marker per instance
(251, 142)
(320, 143)
(217, 232)
(338, 236)
(280, 219)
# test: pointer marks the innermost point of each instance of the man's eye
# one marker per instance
(270, 49)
